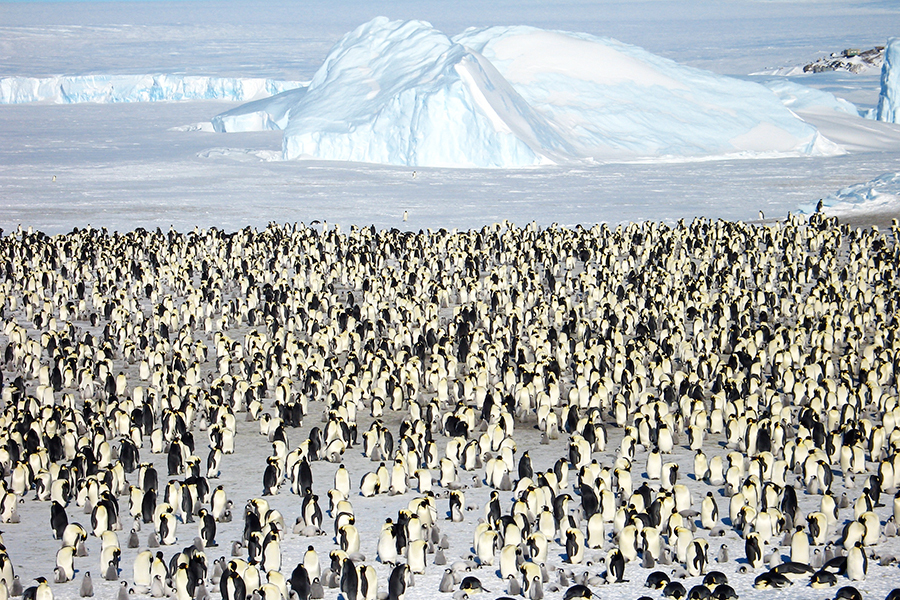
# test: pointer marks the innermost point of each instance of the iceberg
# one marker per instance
(888, 109)
(404, 93)
(71, 89)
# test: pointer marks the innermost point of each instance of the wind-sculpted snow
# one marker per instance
(404, 93)
(799, 97)
(881, 194)
(889, 101)
(137, 88)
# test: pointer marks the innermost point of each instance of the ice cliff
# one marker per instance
(136, 88)
(889, 100)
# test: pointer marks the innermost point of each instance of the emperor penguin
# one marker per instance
(415, 556)
(457, 500)
(615, 563)
(141, 569)
(596, 532)
(42, 591)
(218, 503)
(697, 557)
(368, 582)
(509, 560)
(58, 519)
(348, 538)
(342, 480)
(349, 579)
(397, 582)
(109, 563)
(447, 582)
(486, 545)
(65, 563)
(800, 546)
(753, 550)
(857, 563)
(387, 551)
(207, 528)
(311, 563)
(574, 546)
(87, 586)
(709, 511)
(180, 582)
(370, 485)
(167, 525)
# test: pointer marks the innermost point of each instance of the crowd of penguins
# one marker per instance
(544, 407)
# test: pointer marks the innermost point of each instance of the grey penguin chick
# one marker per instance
(158, 587)
(123, 593)
(200, 592)
(439, 558)
(133, 540)
(15, 589)
(447, 583)
(87, 586)
(153, 540)
(316, 591)
(722, 556)
(512, 586)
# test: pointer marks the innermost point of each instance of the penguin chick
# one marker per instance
(447, 584)
(87, 586)
(124, 591)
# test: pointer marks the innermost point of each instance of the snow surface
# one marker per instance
(154, 164)
(404, 93)
(881, 194)
(889, 100)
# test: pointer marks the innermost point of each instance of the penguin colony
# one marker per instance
(697, 410)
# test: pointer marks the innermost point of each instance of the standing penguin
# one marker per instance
(349, 579)
(41, 591)
(300, 582)
(616, 565)
(58, 519)
(207, 528)
(447, 582)
(87, 586)
(753, 550)
(574, 546)
(857, 563)
(397, 582)
(311, 563)
(65, 564)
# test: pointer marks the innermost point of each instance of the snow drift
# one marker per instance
(880, 195)
(137, 88)
(889, 100)
(404, 93)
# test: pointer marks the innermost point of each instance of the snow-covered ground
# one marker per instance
(157, 164)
